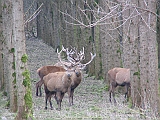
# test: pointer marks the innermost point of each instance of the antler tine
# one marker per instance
(81, 55)
(71, 52)
(92, 57)
(59, 54)
(69, 56)
(64, 64)
(76, 57)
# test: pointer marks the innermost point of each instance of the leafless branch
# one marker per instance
(34, 15)
(114, 12)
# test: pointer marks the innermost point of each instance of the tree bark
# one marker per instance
(23, 83)
(158, 32)
(1, 52)
(8, 56)
(134, 57)
(149, 59)
(111, 53)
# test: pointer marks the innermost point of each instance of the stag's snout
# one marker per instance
(69, 75)
(78, 74)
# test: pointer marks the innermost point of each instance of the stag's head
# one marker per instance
(74, 59)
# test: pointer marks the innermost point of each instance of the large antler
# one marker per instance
(84, 65)
(70, 55)
(78, 56)
(59, 54)
(75, 61)
(64, 64)
(81, 55)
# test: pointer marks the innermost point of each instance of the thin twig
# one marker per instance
(34, 14)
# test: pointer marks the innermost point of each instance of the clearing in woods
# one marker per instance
(91, 101)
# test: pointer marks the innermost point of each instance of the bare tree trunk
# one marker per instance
(1, 41)
(105, 42)
(134, 57)
(131, 52)
(158, 32)
(149, 60)
(126, 41)
(98, 58)
(8, 56)
(62, 33)
(56, 25)
(111, 54)
(91, 47)
(7, 31)
(23, 83)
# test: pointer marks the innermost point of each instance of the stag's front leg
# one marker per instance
(37, 87)
(59, 96)
(71, 97)
(110, 92)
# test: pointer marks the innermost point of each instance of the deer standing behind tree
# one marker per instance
(118, 77)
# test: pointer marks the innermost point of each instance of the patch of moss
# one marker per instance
(100, 77)
(5, 93)
(119, 51)
(95, 108)
(106, 88)
(4, 6)
(22, 67)
(14, 74)
(7, 104)
(28, 98)
(24, 58)
(130, 103)
(28, 95)
(14, 81)
(137, 73)
(12, 50)
(13, 65)
(26, 80)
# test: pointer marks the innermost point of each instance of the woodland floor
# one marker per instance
(91, 101)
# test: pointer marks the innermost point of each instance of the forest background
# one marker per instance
(123, 33)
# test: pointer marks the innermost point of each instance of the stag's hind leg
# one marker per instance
(38, 86)
(70, 94)
(111, 91)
